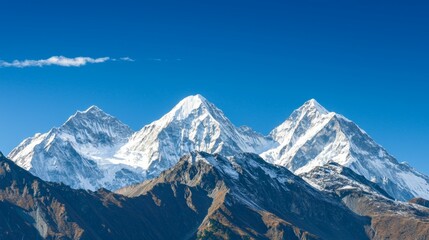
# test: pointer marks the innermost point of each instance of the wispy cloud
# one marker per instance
(59, 61)
(128, 59)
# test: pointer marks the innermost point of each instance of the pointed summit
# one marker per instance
(93, 109)
(193, 100)
(190, 103)
(196, 97)
(194, 124)
(303, 124)
(193, 105)
(96, 127)
(94, 116)
(312, 104)
(311, 107)
(310, 114)
(313, 136)
(93, 112)
(69, 153)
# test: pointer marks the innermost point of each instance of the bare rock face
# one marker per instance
(390, 219)
(420, 201)
(252, 199)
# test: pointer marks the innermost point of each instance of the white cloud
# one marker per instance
(128, 59)
(58, 61)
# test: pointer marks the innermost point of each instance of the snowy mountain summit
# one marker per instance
(194, 124)
(93, 149)
(76, 153)
(312, 136)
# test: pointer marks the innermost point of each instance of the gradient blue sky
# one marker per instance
(256, 60)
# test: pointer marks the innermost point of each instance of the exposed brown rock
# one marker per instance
(255, 206)
(390, 219)
(420, 201)
(197, 200)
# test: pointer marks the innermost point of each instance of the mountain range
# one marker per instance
(93, 150)
(193, 174)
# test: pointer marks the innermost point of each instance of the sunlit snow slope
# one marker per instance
(194, 124)
(78, 152)
(312, 136)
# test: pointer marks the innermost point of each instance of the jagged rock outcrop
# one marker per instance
(390, 219)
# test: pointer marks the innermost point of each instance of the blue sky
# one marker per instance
(256, 60)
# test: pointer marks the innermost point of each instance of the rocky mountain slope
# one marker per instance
(420, 201)
(203, 197)
(192, 200)
(252, 199)
(390, 219)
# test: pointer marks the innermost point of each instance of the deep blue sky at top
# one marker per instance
(256, 60)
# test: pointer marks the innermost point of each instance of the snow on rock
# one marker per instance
(93, 149)
(194, 124)
(334, 177)
(77, 152)
(313, 136)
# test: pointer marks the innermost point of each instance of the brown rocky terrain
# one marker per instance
(420, 201)
(33, 209)
(202, 197)
(251, 199)
(390, 219)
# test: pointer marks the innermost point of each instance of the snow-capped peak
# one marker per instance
(187, 105)
(194, 124)
(310, 114)
(313, 105)
(93, 108)
(73, 152)
(94, 149)
(91, 112)
(94, 126)
(312, 136)
(195, 105)
(311, 109)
